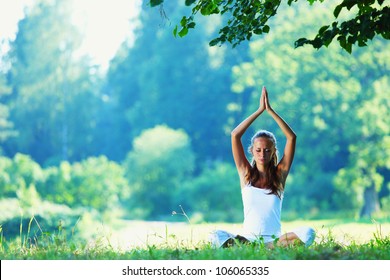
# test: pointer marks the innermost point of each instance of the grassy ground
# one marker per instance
(336, 239)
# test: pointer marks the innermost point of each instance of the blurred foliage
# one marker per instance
(37, 219)
(48, 81)
(183, 84)
(6, 127)
(217, 187)
(95, 183)
(19, 173)
(160, 162)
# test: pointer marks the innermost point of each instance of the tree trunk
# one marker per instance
(371, 202)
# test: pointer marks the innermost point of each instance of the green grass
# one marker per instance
(139, 240)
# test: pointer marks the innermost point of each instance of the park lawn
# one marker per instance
(141, 240)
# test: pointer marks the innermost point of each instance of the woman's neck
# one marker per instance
(261, 169)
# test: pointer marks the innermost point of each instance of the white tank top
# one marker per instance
(262, 213)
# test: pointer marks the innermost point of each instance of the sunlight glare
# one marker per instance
(105, 25)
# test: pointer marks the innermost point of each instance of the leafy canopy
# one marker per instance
(246, 18)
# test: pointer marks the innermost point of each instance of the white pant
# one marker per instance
(218, 238)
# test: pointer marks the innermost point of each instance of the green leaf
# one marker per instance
(317, 43)
(349, 4)
(175, 31)
(215, 10)
(258, 31)
(225, 29)
(154, 3)
(214, 42)
(205, 11)
(351, 39)
(183, 32)
(337, 10)
(362, 44)
(189, 2)
(266, 29)
(183, 21)
(327, 35)
(323, 29)
(343, 41)
(191, 25)
(300, 42)
(344, 44)
(348, 48)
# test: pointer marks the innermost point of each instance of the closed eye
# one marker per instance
(265, 150)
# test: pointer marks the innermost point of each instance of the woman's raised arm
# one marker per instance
(242, 163)
(289, 149)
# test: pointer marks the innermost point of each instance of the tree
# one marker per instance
(156, 81)
(52, 101)
(94, 183)
(213, 196)
(18, 174)
(161, 160)
(6, 126)
(368, 160)
(246, 18)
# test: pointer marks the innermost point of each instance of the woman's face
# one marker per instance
(263, 150)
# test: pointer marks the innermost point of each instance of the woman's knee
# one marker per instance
(289, 238)
(305, 234)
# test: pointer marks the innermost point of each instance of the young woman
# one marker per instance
(262, 184)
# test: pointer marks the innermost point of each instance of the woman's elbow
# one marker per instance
(235, 134)
(292, 137)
